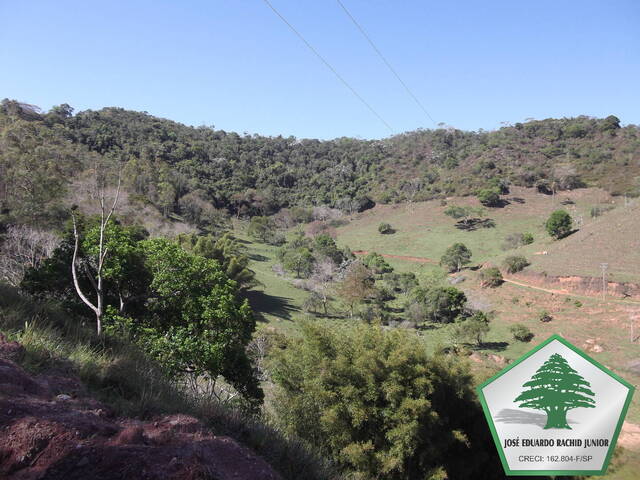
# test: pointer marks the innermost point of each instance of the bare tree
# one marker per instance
(96, 279)
(411, 188)
(24, 247)
(321, 280)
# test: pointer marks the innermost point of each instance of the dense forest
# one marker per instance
(201, 175)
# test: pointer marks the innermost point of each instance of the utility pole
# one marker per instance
(604, 267)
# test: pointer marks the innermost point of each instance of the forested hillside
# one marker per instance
(202, 174)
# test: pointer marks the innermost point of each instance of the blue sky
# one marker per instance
(235, 65)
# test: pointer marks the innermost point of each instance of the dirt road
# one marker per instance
(507, 280)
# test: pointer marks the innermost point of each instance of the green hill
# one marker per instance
(187, 171)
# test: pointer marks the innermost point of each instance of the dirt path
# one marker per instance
(507, 280)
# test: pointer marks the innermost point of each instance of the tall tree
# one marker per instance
(97, 276)
(456, 256)
(556, 388)
(559, 224)
(357, 285)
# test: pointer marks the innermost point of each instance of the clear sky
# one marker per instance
(235, 65)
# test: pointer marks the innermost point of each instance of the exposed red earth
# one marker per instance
(50, 428)
(519, 281)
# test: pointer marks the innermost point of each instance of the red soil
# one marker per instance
(51, 429)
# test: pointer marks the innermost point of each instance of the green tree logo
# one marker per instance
(556, 388)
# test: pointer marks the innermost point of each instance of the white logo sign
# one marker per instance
(555, 411)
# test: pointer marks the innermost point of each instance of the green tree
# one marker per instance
(473, 328)
(325, 246)
(491, 277)
(356, 287)
(263, 229)
(489, 197)
(455, 257)
(458, 212)
(559, 224)
(515, 263)
(300, 261)
(441, 304)
(196, 323)
(556, 388)
(610, 124)
(377, 404)
(376, 263)
(227, 251)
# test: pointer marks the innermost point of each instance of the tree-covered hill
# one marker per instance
(191, 171)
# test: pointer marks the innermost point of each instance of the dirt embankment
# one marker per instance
(588, 286)
(51, 429)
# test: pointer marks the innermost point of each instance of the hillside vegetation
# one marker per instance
(200, 173)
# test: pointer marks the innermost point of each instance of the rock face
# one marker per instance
(51, 429)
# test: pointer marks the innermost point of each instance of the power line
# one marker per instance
(386, 62)
(328, 65)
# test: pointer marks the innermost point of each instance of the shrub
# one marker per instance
(515, 240)
(379, 402)
(521, 332)
(515, 263)
(385, 228)
(559, 224)
(491, 277)
(544, 316)
(599, 210)
(489, 197)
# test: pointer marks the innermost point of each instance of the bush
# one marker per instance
(491, 277)
(545, 316)
(599, 210)
(385, 228)
(521, 332)
(515, 240)
(379, 402)
(559, 224)
(515, 263)
(489, 197)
